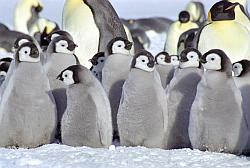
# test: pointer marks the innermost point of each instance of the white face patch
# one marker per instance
(3, 73)
(175, 61)
(193, 61)
(22, 41)
(141, 63)
(161, 60)
(237, 69)
(24, 55)
(118, 47)
(68, 77)
(213, 62)
(100, 63)
(62, 47)
(54, 36)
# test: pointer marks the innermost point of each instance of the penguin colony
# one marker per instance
(183, 97)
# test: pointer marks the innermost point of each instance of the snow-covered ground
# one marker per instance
(61, 156)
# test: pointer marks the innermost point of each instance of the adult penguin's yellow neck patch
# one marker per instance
(209, 17)
(71, 5)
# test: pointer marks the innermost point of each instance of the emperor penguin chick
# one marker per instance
(97, 65)
(59, 56)
(18, 42)
(164, 67)
(181, 92)
(241, 71)
(27, 110)
(142, 115)
(217, 122)
(87, 120)
(115, 72)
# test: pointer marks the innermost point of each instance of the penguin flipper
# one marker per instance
(104, 121)
(197, 36)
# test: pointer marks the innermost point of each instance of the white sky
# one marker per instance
(125, 8)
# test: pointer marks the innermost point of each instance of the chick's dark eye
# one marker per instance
(102, 60)
(26, 52)
(65, 76)
(192, 56)
(119, 45)
(143, 60)
(63, 45)
(212, 59)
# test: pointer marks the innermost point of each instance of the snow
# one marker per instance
(60, 156)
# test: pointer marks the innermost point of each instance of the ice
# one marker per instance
(61, 156)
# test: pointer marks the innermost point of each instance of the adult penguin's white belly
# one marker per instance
(80, 23)
(231, 37)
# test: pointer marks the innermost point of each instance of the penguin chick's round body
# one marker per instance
(225, 33)
(87, 119)
(115, 72)
(92, 23)
(181, 92)
(217, 122)
(164, 68)
(59, 56)
(142, 115)
(27, 110)
(176, 29)
(241, 78)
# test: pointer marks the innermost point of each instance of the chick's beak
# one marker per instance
(59, 77)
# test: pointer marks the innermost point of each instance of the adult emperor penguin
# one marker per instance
(217, 122)
(197, 12)
(59, 56)
(225, 33)
(27, 110)
(26, 14)
(92, 23)
(164, 67)
(241, 71)
(97, 65)
(142, 116)
(181, 92)
(176, 29)
(115, 72)
(87, 120)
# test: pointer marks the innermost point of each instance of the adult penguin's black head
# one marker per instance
(184, 17)
(222, 10)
